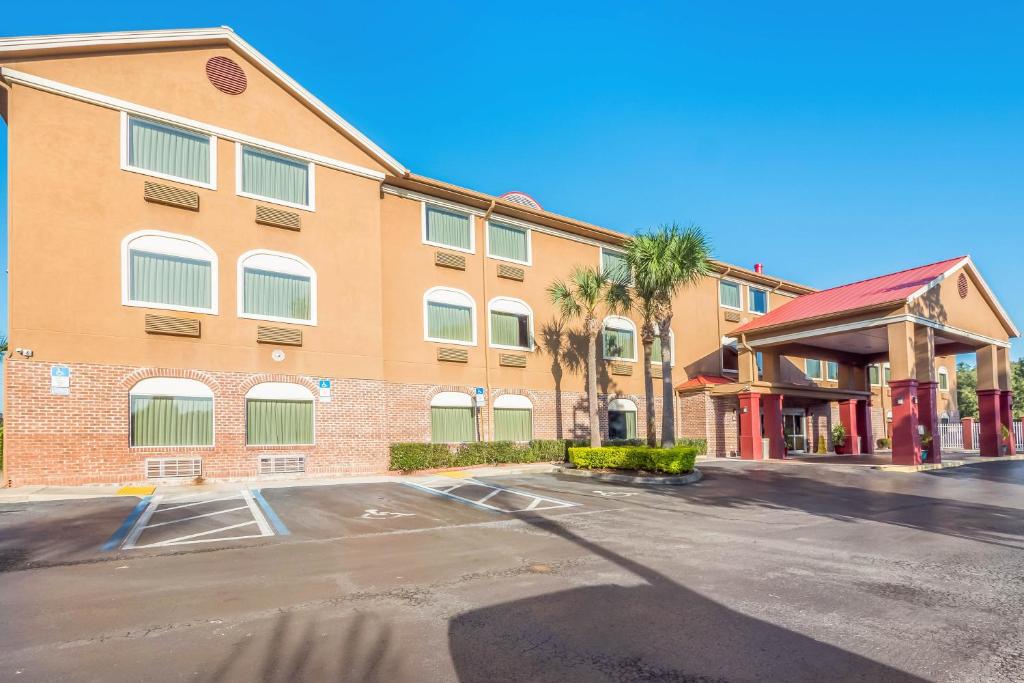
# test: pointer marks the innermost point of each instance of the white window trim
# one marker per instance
(825, 370)
(671, 344)
(750, 300)
(126, 166)
(306, 270)
(738, 285)
(454, 209)
(174, 387)
(448, 291)
(622, 405)
(821, 368)
(310, 178)
(279, 391)
(529, 242)
(452, 399)
(491, 307)
(732, 344)
(512, 402)
(943, 372)
(879, 382)
(881, 376)
(209, 255)
(619, 323)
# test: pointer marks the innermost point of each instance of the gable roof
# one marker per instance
(702, 381)
(31, 46)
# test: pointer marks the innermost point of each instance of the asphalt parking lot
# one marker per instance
(758, 572)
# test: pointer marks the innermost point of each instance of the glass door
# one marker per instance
(793, 429)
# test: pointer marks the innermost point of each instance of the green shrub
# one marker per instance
(883, 443)
(700, 444)
(420, 456)
(407, 457)
(675, 460)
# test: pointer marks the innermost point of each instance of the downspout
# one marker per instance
(718, 319)
(487, 318)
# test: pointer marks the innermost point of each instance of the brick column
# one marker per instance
(928, 416)
(988, 414)
(967, 426)
(906, 442)
(1006, 418)
(772, 404)
(750, 425)
(848, 418)
(864, 427)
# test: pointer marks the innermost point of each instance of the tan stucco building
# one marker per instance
(212, 272)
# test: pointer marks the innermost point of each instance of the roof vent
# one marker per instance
(226, 75)
(961, 285)
(522, 199)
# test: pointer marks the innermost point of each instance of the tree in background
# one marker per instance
(1017, 385)
(966, 390)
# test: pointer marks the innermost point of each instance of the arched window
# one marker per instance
(164, 270)
(449, 316)
(511, 324)
(943, 379)
(169, 411)
(621, 419)
(656, 348)
(619, 338)
(513, 418)
(452, 418)
(279, 414)
(275, 286)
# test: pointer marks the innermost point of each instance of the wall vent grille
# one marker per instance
(282, 464)
(169, 324)
(277, 218)
(170, 196)
(511, 272)
(732, 316)
(512, 360)
(278, 335)
(656, 370)
(446, 260)
(622, 368)
(453, 355)
(165, 468)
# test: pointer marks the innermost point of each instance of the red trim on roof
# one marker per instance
(703, 381)
(892, 288)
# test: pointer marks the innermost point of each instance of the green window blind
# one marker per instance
(507, 241)
(621, 424)
(171, 421)
(448, 228)
(278, 422)
(887, 375)
(513, 424)
(832, 370)
(873, 377)
(618, 343)
(943, 381)
(613, 264)
(168, 150)
(171, 280)
(509, 329)
(279, 295)
(656, 350)
(449, 322)
(275, 177)
(452, 425)
(729, 294)
(758, 300)
(813, 368)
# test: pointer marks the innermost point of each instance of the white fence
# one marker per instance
(952, 434)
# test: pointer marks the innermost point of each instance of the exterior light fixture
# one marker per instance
(899, 401)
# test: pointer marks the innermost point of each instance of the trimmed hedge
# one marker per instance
(406, 457)
(678, 460)
(700, 444)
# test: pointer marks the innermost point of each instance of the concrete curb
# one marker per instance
(677, 480)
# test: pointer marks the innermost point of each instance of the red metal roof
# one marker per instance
(891, 288)
(703, 381)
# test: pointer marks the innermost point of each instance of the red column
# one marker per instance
(928, 416)
(967, 425)
(864, 426)
(848, 417)
(772, 406)
(750, 425)
(988, 415)
(906, 442)
(1006, 417)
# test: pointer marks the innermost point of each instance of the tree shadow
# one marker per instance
(659, 630)
(567, 349)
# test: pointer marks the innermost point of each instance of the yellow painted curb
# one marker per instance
(136, 490)
(456, 475)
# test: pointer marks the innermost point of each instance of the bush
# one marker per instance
(883, 443)
(676, 460)
(406, 457)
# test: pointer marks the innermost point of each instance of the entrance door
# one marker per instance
(793, 429)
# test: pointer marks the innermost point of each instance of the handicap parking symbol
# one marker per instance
(374, 513)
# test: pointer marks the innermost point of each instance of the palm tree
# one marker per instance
(665, 261)
(648, 302)
(583, 297)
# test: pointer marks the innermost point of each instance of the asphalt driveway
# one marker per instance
(758, 572)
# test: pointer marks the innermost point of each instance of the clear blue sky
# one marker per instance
(831, 143)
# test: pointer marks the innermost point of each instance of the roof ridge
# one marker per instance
(878, 277)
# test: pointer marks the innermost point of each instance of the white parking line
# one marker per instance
(259, 521)
(444, 487)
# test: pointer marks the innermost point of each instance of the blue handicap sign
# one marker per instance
(325, 384)
(60, 371)
(479, 391)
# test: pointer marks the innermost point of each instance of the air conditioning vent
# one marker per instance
(511, 272)
(278, 335)
(164, 468)
(512, 360)
(453, 355)
(282, 464)
(656, 370)
(170, 196)
(732, 316)
(278, 219)
(622, 368)
(446, 260)
(169, 324)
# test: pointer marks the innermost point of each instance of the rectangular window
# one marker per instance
(813, 368)
(759, 359)
(452, 425)
(265, 175)
(656, 350)
(171, 421)
(508, 242)
(448, 228)
(621, 424)
(619, 344)
(886, 374)
(170, 280)
(510, 329)
(758, 300)
(513, 424)
(276, 422)
(729, 295)
(448, 322)
(832, 371)
(277, 295)
(613, 264)
(873, 377)
(168, 152)
(943, 381)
